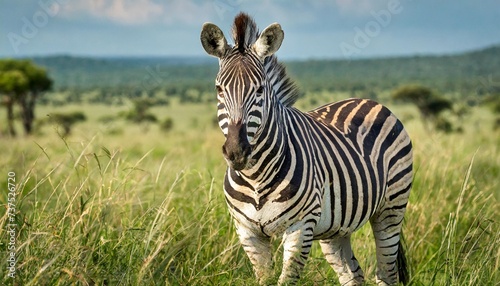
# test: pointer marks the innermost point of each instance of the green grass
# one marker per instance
(115, 204)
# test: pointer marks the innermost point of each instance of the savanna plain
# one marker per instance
(116, 203)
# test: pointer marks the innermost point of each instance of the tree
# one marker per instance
(22, 82)
(67, 120)
(167, 124)
(429, 104)
(11, 83)
(140, 112)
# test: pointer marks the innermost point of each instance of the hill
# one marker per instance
(476, 72)
(87, 72)
(448, 73)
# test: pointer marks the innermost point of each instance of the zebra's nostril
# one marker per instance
(236, 149)
(247, 150)
(236, 154)
(229, 155)
(233, 154)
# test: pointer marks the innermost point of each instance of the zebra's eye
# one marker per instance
(260, 89)
(220, 90)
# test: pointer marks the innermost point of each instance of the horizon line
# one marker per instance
(284, 58)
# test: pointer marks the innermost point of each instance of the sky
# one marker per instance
(313, 29)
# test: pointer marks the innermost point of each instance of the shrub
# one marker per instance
(167, 124)
(67, 120)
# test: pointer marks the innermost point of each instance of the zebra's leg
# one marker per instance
(258, 250)
(297, 242)
(386, 228)
(339, 254)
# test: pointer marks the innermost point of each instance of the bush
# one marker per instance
(67, 120)
(106, 119)
(443, 124)
(167, 124)
(139, 113)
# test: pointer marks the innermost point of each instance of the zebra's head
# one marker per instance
(242, 85)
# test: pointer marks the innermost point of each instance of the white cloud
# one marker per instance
(187, 11)
(136, 12)
(128, 12)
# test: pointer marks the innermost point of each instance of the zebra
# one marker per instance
(305, 176)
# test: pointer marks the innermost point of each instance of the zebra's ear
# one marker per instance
(269, 41)
(213, 40)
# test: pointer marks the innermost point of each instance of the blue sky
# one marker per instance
(313, 29)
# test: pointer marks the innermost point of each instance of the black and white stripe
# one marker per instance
(319, 175)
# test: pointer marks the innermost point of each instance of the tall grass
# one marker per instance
(135, 208)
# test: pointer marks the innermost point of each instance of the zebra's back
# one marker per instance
(374, 150)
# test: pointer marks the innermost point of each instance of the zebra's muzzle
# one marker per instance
(236, 149)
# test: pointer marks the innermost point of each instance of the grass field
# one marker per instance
(121, 204)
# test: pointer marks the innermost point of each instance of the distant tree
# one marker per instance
(22, 82)
(12, 83)
(429, 104)
(427, 101)
(67, 120)
(167, 124)
(140, 111)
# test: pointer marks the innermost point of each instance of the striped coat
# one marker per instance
(319, 175)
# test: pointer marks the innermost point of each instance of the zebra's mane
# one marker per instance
(284, 87)
(245, 33)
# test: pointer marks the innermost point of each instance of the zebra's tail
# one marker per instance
(402, 264)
